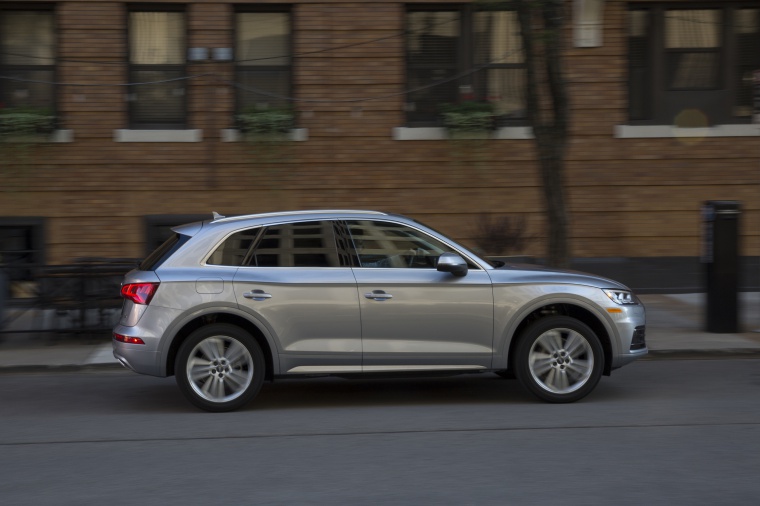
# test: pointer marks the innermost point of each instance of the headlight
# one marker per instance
(622, 297)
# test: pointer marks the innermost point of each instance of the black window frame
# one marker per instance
(241, 69)
(8, 69)
(654, 101)
(470, 86)
(133, 70)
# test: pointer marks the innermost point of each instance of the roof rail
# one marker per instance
(219, 218)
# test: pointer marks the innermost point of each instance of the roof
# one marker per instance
(223, 219)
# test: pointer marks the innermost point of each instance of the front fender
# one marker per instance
(507, 317)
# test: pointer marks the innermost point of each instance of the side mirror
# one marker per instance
(453, 263)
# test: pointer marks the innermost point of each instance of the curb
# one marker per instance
(718, 354)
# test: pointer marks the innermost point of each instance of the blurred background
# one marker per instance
(119, 121)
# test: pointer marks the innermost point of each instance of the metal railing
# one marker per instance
(79, 298)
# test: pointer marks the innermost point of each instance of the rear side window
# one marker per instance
(309, 244)
(160, 254)
(302, 244)
(234, 250)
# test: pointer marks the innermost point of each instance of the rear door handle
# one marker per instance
(257, 295)
(378, 295)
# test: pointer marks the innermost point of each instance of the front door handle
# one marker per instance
(257, 295)
(378, 295)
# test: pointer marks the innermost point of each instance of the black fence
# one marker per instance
(81, 298)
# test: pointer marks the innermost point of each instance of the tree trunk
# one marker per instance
(541, 23)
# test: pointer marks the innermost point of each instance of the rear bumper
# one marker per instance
(139, 360)
(151, 329)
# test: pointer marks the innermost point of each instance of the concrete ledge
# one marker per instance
(157, 135)
(669, 131)
(441, 134)
(234, 135)
(62, 136)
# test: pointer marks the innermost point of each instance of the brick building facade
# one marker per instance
(94, 186)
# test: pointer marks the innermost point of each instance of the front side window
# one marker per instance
(27, 63)
(393, 245)
(263, 68)
(157, 68)
(457, 55)
(692, 66)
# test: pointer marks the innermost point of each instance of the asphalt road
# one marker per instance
(656, 432)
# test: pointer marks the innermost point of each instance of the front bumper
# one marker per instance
(631, 328)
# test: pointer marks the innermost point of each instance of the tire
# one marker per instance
(559, 359)
(220, 367)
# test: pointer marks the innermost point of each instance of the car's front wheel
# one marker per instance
(220, 367)
(559, 359)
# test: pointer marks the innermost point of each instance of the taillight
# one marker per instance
(139, 293)
(127, 339)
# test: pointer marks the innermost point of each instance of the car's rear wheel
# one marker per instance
(220, 367)
(559, 359)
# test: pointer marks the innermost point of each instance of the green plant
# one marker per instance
(500, 235)
(468, 116)
(19, 122)
(265, 121)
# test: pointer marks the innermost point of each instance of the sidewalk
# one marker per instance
(675, 329)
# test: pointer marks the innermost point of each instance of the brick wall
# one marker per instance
(627, 197)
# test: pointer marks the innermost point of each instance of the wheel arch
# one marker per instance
(573, 310)
(212, 317)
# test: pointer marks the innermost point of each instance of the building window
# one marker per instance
(692, 67)
(263, 63)
(456, 54)
(21, 252)
(157, 56)
(27, 61)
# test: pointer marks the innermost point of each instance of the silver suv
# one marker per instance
(228, 303)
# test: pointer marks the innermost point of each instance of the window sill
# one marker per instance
(234, 135)
(667, 131)
(157, 135)
(440, 133)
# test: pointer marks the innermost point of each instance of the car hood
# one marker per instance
(532, 274)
